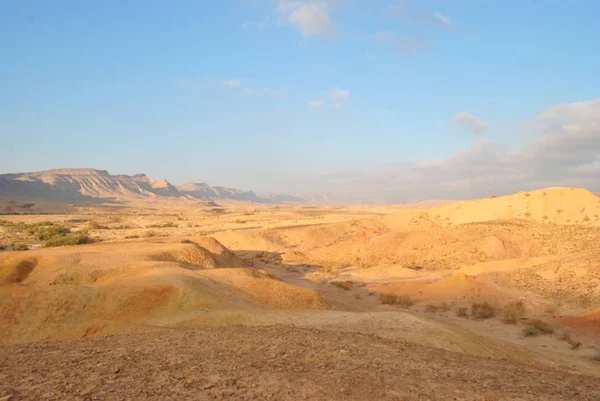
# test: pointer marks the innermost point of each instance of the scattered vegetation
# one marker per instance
(530, 331)
(77, 239)
(559, 211)
(132, 236)
(541, 326)
(239, 221)
(20, 247)
(3, 247)
(151, 233)
(512, 312)
(94, 225)
(45, 233)
(483, 310)
(527, 214)
(346, 285)
(462, 312)
(403, 301)
(169, 224)
(431, 308)
(445, 306)
(586, 218)
(187, 241)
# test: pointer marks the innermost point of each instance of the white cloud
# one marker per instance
(442, 19)
(339, 95)
(233, 83)
(474, 124)
(562, 150)
(310, 17)
(318, 104)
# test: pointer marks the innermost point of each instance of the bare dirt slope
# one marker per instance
(279, 363)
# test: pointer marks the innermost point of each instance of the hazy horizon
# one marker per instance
(390, 100)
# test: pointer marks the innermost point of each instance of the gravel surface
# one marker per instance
(270, 363)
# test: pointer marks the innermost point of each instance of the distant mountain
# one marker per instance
(93, 186)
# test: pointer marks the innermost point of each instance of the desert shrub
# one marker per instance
(356, 295)
(187, 241)
(77, 239)
(388, 299)
(596, 358)
(132, 236)
(44, 233)
(462, 312)
(530, 331)
(565, 336)
(404, 301)
(575, 344)
(586, 218)
(445, 306)
(151, 233)
(559, 211)
(94, 225)
(362, 284)
(3, 247)
(20, 247)
(345, 285)
(527, 214)
(169, 224)
(541, 326)
(513, 311)
(239, 221)
(431, 308)
(482, 310)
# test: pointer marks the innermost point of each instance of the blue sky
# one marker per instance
(306, 96)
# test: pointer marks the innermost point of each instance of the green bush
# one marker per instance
(20, 247)
(77, 239)
(482, 310)
(44, 233)
(512, 312)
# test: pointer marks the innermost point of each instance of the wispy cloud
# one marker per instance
(474, 124)
(233, 83)
(334, 99)
(318, 104)
(442, 19)
(402, 43)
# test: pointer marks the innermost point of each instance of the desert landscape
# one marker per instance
(314, 200)
(142, 293)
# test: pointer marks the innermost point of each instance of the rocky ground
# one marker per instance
(277, 363)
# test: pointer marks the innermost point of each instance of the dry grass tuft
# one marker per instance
(512, 312)
(403, 301)
(483, 310)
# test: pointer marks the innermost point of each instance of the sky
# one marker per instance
(383, 101)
